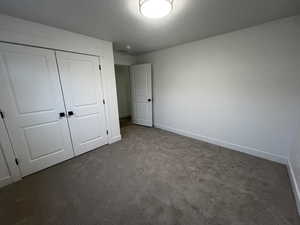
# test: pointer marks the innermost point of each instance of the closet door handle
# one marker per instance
(62, 114)
(70, 113)
(149, 99)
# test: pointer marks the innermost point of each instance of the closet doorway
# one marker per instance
(52, 103)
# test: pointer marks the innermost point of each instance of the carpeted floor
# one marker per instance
(125, 122)
(153, 177)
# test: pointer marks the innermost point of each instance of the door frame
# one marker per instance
(107, 124)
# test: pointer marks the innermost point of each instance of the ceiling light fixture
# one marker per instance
(155, 8)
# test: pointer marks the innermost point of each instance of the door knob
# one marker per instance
(149, 100)
(62, 114)
(70, 113)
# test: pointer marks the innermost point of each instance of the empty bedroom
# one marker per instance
(150, 112)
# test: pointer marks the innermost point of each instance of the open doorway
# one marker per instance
(134, 91)
(124, 94)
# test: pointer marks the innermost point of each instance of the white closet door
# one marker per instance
(5, 177)
(9, 171)
(141, 94)
(82, 88)
(32, 101)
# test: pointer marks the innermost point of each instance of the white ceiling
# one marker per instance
(120, 21)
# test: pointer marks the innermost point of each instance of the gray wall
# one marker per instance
(239, 90)
(123, 90)
(124, 59)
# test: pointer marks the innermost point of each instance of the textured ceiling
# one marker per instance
(119, 21)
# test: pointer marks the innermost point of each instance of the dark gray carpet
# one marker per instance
(153, 177)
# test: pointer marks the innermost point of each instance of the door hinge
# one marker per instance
(16, 161)
(107, 132)
(99, 67)
(103, 101)
(1, 114)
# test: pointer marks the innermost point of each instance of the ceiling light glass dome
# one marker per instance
(155, 8)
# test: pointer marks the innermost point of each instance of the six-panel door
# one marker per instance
(81, 83)
(32, 101)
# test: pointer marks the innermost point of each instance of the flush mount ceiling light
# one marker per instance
(155, 8)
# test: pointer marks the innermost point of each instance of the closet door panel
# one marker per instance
(82, 88)
(5, 177)
(32, 100)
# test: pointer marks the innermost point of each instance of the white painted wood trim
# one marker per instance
(236, 147)
(9, 153)
(18, 31)
(295, 186)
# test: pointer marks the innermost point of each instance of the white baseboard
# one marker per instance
(115, 139)
(294, 185)
(244, 149)
(5, 181)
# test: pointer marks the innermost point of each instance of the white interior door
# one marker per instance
(82, 88)
(141, 93)
(31, 98)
